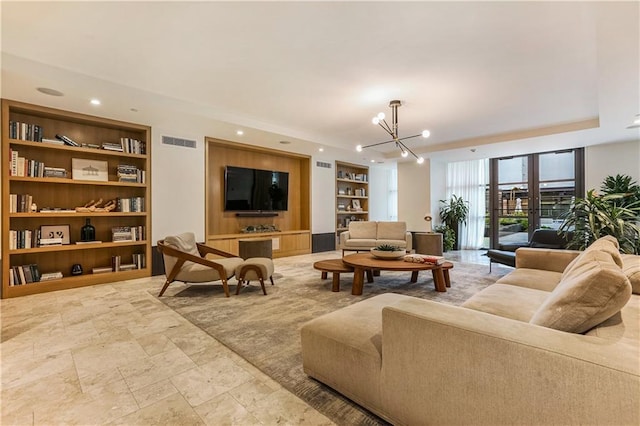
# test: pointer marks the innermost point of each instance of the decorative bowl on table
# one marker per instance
(387, 252)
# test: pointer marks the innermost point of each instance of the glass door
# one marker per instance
(512, 214)
(532, 191)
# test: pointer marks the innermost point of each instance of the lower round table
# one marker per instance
(366, 261)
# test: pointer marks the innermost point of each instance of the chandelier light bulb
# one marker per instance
(381, 116)
(426, 133)
(404, 153)
(420, 160)
(375, 120)
(359, 148)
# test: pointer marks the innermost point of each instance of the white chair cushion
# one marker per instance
(197, 273)
(363, 230)
(263, 263)
(392, 230)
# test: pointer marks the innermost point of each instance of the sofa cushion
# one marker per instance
(392, 230)
(362, 243)
(537, 279)
(631, 268)
(363, 230)
(593, 290)
(508, 301)
(606, 244)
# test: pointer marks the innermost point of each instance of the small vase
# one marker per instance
(88, 232)
(76, 269)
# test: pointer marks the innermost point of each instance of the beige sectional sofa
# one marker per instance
(556, 341)
(365, 235)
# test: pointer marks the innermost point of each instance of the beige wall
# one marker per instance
(609, 160)
(414, 194)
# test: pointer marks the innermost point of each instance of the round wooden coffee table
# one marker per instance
(365, 261)
(336, 267)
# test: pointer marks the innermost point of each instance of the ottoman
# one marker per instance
(254, 268)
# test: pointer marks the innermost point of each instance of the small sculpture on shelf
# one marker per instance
(259, 228)
(96, 206)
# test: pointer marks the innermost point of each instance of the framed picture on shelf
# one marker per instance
(83, 169)
(53, 232)
(356, 205)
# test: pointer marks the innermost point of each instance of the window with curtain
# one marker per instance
(468, 179)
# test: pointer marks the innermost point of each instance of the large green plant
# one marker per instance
(622, 185)
(595, 216)
(453, 212)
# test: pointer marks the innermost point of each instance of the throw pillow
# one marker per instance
(607, 244)
(363, 230)
(593, 291)
(392, 230)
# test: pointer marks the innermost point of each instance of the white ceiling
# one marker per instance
(474, 73)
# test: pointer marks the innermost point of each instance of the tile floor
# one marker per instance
(114, 354)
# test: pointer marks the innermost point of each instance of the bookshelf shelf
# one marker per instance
(75, 149)
(69, 181)
(74, 247)
(67, 194)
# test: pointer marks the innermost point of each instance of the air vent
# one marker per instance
(323, 164)
(169, 140)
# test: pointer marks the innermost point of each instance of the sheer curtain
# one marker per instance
(467, 179)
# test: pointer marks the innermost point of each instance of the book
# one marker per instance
(88, 242)
(53, 141)
(424, 258)
(101, 269)
(50, 276)
(67, 140)
(50, 242)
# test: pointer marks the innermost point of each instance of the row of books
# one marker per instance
(360, 192)
(138, 262)
(20, 203)
(133, 146)
(128, 173)
(134, 204)
(127, 233)
(27, 238)
(24, 274)
(21, 166)
(25, 131)
(23, 239)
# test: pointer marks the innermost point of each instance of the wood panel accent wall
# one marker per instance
(221, 153)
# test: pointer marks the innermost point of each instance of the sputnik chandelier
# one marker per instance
(393, 132)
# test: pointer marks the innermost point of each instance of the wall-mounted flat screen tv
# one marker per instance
(255, 190)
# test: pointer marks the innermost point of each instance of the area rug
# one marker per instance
(265, 330)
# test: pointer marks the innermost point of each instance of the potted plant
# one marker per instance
(453, 212)
(613, 213)
(448, 237)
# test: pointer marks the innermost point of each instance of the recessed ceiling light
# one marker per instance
(373, 161)
(133, 109)
(321, 149)
(239, 132)
(95, 101)
(48, 91)
(285, 142)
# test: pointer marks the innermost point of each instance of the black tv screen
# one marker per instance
(255, 190)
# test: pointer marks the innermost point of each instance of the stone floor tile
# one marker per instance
(173, 410)
(224, 410)
(155, 392)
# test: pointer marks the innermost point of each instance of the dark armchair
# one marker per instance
(541, 238)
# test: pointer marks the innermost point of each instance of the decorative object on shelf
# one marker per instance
(393, 132)
(83, 169)
(428, 219)
(387, 251)
(88, 232)
(76, 269)
(34, 207)
(355, 205)
(55, 231)
(94, 206)
(259, 228)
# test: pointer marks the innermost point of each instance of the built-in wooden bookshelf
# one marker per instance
(352, 194)
(59, 197)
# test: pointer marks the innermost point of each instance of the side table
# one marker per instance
(255, 247)
(429, 243)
